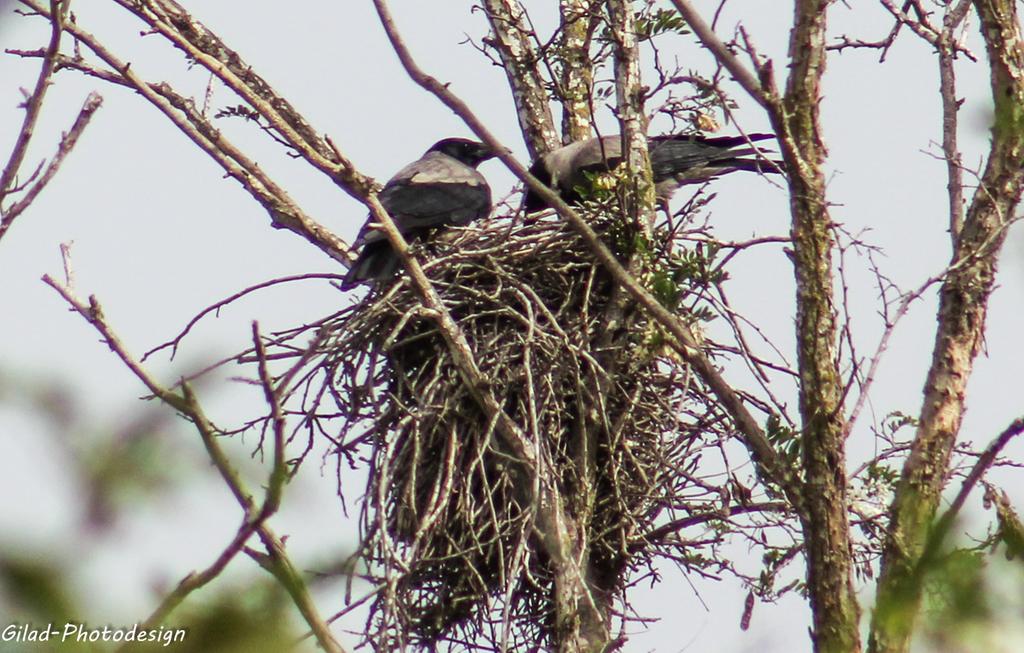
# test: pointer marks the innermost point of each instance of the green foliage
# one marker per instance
(955, 588)
(117, 464)
(697, 265)
(785, 440)
(128, 468)
(659, 21)
(882, 474)
(649, 24)
(250, 618)
(774, 560)
(604, 187)
(34, 591)
(970, 599)
(1009, 117)
(673, 275)
(664, 285)
(895, 422)
(1011, 530)
(623, 239)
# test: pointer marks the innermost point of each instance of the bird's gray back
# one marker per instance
(433, 191)
(568, 165)
(437, 168)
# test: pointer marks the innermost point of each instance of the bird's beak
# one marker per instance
(484, 152)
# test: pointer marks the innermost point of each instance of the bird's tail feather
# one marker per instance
(723, 142)
(751, 165)
(376, 262)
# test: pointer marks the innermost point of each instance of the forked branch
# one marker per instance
(255, 516)
(770, 466)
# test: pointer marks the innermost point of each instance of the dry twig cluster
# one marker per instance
(447, 519)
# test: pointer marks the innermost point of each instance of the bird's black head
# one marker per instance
(462, 149)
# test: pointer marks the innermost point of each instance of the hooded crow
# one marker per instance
(441, 188)
(676, 159)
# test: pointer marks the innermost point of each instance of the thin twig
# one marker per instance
(67, 142)
(284, 211)
(33, 105)
(764, 455)
(215, 308)
(187, 404)
(722, 54)
(661, 532)
(982, 465)
(173, 22)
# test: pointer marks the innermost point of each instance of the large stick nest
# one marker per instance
(447, 525)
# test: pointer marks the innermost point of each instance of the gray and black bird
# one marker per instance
(676, 160)
(439, 189)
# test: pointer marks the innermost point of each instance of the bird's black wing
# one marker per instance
(419, 206)
(676, 159)
(532, 201)
(433, 191)
(672, 155)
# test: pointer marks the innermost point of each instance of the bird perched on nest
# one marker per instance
(440, 188)
(676, 160)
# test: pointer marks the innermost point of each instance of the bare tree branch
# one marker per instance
(67, 142)
(677, 525)
(946, 47)
(963, 302)
(981, 466)
(520, 60)
(33, 105)
(769, 464)
(255, 516)
(171, 20)
(826, 527)
(34, 102)
(575, 67)
(762, 91)
(283, 210)
(215, 308)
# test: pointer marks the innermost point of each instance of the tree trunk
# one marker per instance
(963, 303)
